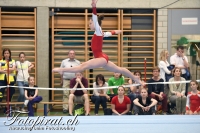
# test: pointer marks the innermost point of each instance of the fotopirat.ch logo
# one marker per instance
(39, 123)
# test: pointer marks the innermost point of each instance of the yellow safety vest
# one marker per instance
(4, 66)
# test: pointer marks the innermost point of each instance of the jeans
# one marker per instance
(164, 101)
(132, 97)
(138, 110)
(21, 97)
(97, 100)
(180, 103)
(37, 99)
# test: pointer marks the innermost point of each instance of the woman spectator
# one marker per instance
(144, 105)
(31, 95)
(120, 104)
(193, 99)
(134, 91)
(99, 95)
(4, 63)
(23, 68)
(165, 72)
(163, 64)
(177, 91)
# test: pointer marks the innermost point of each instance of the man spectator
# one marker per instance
(181, 61)
(78, 96)
(66, 77)
(156, 91)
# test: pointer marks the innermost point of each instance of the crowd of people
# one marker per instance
(138, 100)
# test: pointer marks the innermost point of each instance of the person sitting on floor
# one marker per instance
(177, 91)
(156, 91)
(78, 96)
(31, 95)
(120, 104)
(193, 99)
(144, 105)
(134, 91)
(99, 95)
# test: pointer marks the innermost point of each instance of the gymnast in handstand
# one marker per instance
(101, 59)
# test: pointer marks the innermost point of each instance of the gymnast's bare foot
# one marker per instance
(57, 69)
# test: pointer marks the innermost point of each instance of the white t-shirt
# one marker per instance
(97, 91)
(163, 69)
(22, 68)
(178, 61)
(67, 63)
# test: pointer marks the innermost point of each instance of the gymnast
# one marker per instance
(193, 99)
(101, 59)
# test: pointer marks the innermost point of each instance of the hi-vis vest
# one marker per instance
(4, 66)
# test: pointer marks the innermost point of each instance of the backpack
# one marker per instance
(107, 111)
(79, 109)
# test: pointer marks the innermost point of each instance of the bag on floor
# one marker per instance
(107, 111)
(79, 109)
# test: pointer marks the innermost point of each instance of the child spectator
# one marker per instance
(31, 95)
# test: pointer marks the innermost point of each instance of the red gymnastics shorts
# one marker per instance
(101, 55)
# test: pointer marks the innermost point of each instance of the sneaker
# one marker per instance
(65, 111)
(26, 102)
(23, 110)
(70, 115)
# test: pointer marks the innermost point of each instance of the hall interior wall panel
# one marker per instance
(18, 33)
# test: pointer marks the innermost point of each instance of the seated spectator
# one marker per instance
(78, 96)
(120, 104)
(156, 91)
(134, 91)
(99, 95)
(144, 105)
(31, 95)
(177, 91)
(193, 99)
(116, 80)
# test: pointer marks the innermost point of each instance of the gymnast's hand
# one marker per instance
(94, 2)
(118, 31)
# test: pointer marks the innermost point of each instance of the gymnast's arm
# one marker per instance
(113, 32)
(188, 102)
(98, 30)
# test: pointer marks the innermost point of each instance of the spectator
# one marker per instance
(134, 91)
(156, 91)
(144, 105)
(78, 96)
(116, 80)
(120, 104)
(23, 68)
(31, 95)
(193, 99)
(181, 61)
(99, 95)
(3, 73)
(177, 91)
(66, 77)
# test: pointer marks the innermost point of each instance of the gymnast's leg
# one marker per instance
(114, 68)
(91, 64)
